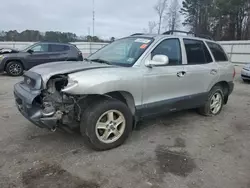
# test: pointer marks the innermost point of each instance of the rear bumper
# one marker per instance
(25, 102)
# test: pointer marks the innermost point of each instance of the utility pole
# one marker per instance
(90, 45)
(89, 31)
(93, 18)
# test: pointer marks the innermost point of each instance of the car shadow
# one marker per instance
(245, 82)
(44, 144)
(168, 120)
(3, 74)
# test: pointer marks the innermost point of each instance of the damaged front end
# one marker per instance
(8, 51)
(48, 107)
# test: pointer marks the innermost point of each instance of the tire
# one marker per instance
(206, 109)
(99, 112)
(14, 68)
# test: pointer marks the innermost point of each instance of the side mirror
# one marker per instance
(30, 51)
(158, 60)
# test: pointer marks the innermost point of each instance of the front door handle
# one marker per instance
(181, 74)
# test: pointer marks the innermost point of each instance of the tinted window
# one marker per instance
(40, 48)
(217, 51)
(66, 48)
(58, 48)
(170, 48)
(197, 52)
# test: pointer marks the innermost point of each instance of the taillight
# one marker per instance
(234, 73)
(80, 56)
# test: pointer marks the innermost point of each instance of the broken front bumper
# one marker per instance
(25, 102)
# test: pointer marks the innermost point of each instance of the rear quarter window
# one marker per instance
(66, 48)
(75, 48)
(59, 47)
(217, 51)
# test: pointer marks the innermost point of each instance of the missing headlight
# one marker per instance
(57, 83)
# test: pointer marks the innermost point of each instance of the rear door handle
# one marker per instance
(181, 74)
(214, 72)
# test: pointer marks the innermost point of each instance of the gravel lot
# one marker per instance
(183, 150)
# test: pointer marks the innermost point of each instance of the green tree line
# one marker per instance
(222, 19)
(51, 36)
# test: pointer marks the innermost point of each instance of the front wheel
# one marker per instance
(106, 124)
(214, 103)
(14, 68)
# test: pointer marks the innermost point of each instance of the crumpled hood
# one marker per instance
(50, 69)
(8, 50)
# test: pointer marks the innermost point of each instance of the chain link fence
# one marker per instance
(238, 51)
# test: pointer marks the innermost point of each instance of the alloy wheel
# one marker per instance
(15, 69)
(216, 103)
(110, 126)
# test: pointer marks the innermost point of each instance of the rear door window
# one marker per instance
(197, 52)
(217, 51)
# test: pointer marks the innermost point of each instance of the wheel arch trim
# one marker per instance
(10, 60)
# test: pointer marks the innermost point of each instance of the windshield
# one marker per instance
(123, 52)
(26, 48)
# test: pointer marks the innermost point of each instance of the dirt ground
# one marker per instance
(181, 150)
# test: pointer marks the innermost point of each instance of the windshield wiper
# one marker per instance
(100, 61)
(86, 59)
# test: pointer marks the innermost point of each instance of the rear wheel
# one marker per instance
(214, 103)
(14, 68)
(106, 124)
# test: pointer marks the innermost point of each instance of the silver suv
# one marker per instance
(130, 79)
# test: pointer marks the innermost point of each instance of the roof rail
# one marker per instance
(171, 32)
(137, 34)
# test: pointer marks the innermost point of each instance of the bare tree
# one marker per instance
(144, 30)
(246, 24)
(172, 17)
(151, 26)
(161, 8)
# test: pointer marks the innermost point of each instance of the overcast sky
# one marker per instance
(113, 17)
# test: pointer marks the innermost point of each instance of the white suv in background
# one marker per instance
(245, 73)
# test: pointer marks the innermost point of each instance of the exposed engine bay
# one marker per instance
(59, 106)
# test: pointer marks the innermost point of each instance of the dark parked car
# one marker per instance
(14, 62)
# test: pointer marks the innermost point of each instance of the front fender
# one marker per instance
(5, 60)
(92, 83)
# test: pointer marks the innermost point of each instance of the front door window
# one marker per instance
(170, 48)
(39, 48)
